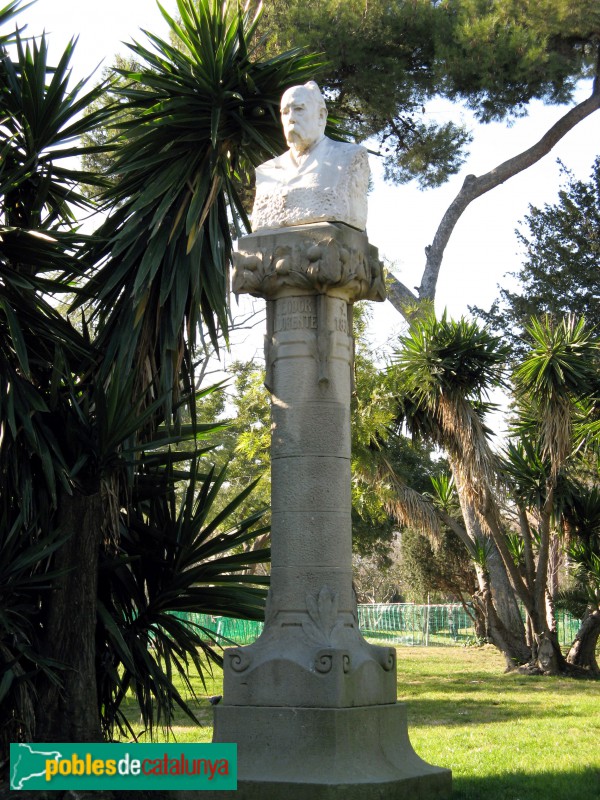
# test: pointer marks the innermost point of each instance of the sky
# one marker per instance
(402, 219)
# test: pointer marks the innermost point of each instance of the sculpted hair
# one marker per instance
(313, 91)
(315, 94)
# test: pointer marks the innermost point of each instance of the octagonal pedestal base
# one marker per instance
(360, 753)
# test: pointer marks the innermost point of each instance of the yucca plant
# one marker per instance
(555, 385)
(443, 370)
(25, 578)
(174, 556)
(200, 112)
(40, 121)
(559, 371)
(86, 412)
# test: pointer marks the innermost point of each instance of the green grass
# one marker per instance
(504, 736)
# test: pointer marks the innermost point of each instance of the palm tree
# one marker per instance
(443, 371)
(40, 351)
(556, 389)
(89, 452)
(510, 506)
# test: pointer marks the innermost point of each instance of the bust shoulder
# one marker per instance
(348, 148)
(329, 182)
(325, 151)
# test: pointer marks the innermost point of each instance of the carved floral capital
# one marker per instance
(325, 258)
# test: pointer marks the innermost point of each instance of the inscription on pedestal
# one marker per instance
(301, 313)
(340, 317)
(296, 313)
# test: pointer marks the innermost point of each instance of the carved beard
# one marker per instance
(300, 138)
(302, 134)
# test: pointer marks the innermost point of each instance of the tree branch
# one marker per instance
(400, 296)
(473, 187)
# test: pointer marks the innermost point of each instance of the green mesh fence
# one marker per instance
(566, 626)
(406, 623)
(225, 629)
(398, 623)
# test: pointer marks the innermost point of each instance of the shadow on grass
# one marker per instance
(520, 786)
(472, 712)
(480, 699)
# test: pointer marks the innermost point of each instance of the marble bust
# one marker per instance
(317, 179)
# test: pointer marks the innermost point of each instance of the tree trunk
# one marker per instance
(480, 622)
(555, 561)
(506, 629)
(549, 657)
(495, 631)
(70, 713)
(505, 601)
(583, 650)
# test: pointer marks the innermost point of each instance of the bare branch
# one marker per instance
(400, 296)
(473, 187)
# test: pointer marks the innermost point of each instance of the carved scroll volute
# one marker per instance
(328, 660)
(239, 660)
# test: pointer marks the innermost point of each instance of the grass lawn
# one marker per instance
(505, 737)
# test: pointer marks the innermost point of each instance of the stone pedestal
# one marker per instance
(326, 754)
(311, 704)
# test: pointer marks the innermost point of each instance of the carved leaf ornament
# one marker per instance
(322, 619)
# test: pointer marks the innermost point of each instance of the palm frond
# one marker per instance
(409, 507)
(41, 124)
(172, 559)
(526, 472)
(201, 114)
(442, 372)
(560, 369)
(7, 14)
(25, 580)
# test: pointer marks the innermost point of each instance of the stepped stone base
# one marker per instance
(360, 753)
